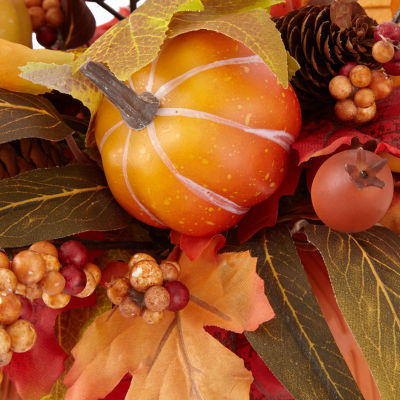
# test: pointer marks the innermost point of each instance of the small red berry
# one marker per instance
(346, 68)
(179, 295)
(392, 67)
(387, 30)
(46, 36)
(73, 253)
(75, 279)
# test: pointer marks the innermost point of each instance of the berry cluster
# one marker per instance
(46, 17)
(43, 272)
(386, 48)
(148, 289)
(356, 89)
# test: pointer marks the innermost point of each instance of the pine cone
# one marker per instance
(321, 46)
(27, 154)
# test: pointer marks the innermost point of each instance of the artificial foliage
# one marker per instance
(281, 306)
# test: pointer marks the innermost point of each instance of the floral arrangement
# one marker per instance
(199, 199)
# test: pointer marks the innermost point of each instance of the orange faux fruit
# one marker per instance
(218, 145)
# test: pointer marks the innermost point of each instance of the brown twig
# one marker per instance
(102, 4)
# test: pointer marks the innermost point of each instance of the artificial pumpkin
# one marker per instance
(15, 22)
(218, 145)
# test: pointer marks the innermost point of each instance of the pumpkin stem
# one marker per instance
(113, 12)
(396, 16)
(137, 110)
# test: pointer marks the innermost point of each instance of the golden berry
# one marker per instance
(5, 358)
(118, 289)
(33, 291)
(33, 3)
(4, 261)
(10, 308)
(54, 17)
(360, 76)
(5, 341)
(139, 257)
(23, 335)
(44, 247)
(156, 298)
(340, 87)
(365, 114)
(345, 110)
(170, 270)
(52, 283)
(90, 286)
(52, 263)
(8, 280)
(20, 289)
(38, 17)
(381, 84)
(94, 270)
(364, 97)
(29, 266)
(57, 301)
(144, 274)
(50, 3)
(129, 308)
(152, 317)
(382, 51)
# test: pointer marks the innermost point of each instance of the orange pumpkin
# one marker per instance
(218, 145)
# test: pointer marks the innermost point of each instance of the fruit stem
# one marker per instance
(138, 111)
(102, 4)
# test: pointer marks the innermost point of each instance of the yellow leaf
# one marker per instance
(14, 55)
(176, 358)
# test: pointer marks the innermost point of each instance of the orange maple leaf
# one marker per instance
(176, 358)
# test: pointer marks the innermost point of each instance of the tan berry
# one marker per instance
(381, 84)
(29, 266)
(10, 308)
(44, 247)
(57, 301)
(360, 76)
(8, 280)
(340, 87)
(118, 289)
(54, 17)
(94, 270)
(4, 261)
(5, 358)
(152, 317)
(33, 3)
(129, 308)
(5, 341)
(52, 283)
(382, 51)
(144, 274)
(38, 17)
(345, 110)
(364, 97)
(33, 291)
(139, 257)
(23, 336)
(365, 114)
(170, 270)
(52, 263)
(50, 3)
(90, 286)
(20, 289)
(156, 298)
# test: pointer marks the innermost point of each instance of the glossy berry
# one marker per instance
(53, 283)
(381, 84)
(392, 67)
(179, 295)
(57, 301)
(170, 270)
(73, 253)
(23, 336)
(4, 260)
(340, 87)
(129, 308)
(346, 68)
(26, 307)
(364, 97)
(75, 279)
(387, 30)
(360, 76)
(44, 247)
(8, 280)
(156, 298)
(54, 17)
(345, 110)
(38, 17)
(5, 341)
(352, 190)
(118, 289)
(28, 266)
(10, 308)
(365, 114)
(145, 274)
(382, 51)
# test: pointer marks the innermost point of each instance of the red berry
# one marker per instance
(73, 252)
(75, 279)
(346, 68)
(46, 36)
(387, 30)
(392, 67)
(179, 295)
(26, 307)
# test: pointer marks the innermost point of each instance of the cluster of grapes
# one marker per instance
(356, 89)
(43, 272)
(46, 17)
(386, 48)
(148, 289)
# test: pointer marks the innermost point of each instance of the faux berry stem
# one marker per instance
(138, 111)
(102, 4)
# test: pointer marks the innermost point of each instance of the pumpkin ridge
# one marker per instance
(108, 133)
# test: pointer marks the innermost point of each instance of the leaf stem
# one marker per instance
(79, 155)
(102, 4)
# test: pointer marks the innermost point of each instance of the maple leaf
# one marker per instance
(323, 134)
(176, 358)
(30, 372)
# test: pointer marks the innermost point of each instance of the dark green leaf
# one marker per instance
(56, 202)
(24, 115)
(364, 269)
(297, 345)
